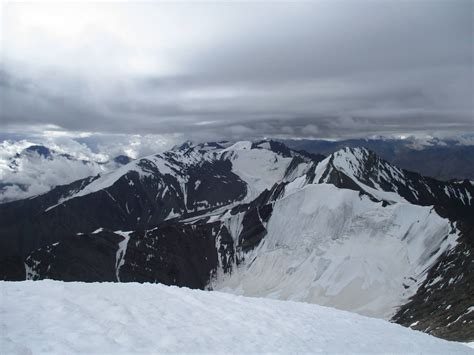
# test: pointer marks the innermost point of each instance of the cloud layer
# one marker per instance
(237, 70)
(25, 173)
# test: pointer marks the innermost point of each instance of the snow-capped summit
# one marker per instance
(361, 169)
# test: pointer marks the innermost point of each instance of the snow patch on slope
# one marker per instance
(259, 168)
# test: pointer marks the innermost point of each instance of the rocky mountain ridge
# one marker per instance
(349, 230)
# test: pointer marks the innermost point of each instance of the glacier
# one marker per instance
(338, 248)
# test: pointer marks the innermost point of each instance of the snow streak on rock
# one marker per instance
(121, 251)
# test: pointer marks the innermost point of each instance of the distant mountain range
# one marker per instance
(442, 159)
(348, 230)
(37, 168)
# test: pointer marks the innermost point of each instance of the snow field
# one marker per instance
(96, 318)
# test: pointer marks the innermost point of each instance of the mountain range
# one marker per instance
(348, 230)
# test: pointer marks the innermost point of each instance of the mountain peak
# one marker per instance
(184, 146)
(274, 146)
(122, 159)
(361, 162)
(361, 169)
(41, 150)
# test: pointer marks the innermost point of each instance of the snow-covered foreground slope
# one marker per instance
(338, 248)
(61, 318)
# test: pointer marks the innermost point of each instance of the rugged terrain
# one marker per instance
(349, 230)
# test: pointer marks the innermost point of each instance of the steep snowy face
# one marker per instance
(365, 166)
(261, 167)
(335, 247)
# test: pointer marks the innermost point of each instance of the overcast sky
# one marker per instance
(237, 70)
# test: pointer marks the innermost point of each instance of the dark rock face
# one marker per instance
(130, 203)
(176, 254)
(172, 253)
(12, 268)
(24, 226)
(214, 183)
(253, 229)
(85, 257)
(443, 305)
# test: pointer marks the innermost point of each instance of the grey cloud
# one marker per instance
(325, 69)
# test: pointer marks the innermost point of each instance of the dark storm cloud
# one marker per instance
(325, 69)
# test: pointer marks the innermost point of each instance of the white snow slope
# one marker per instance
(62, 318)
(333, 247)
